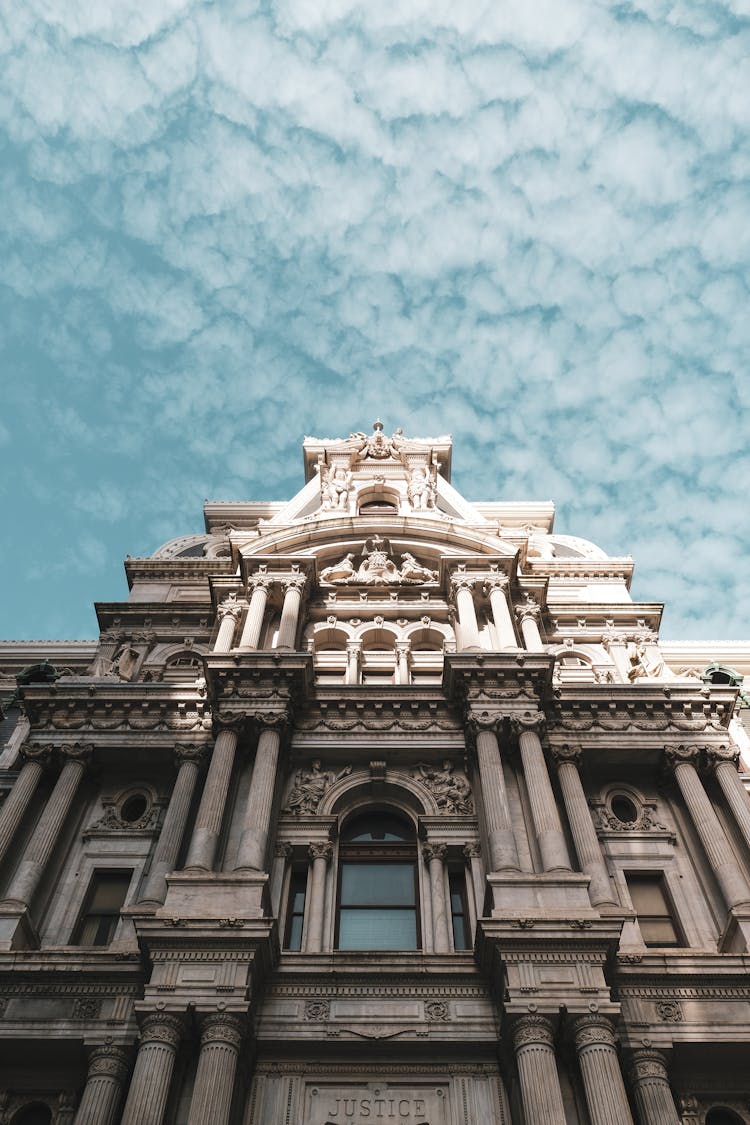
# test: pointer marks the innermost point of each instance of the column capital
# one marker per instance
(483, 720)
(435, 850)
(320, 849)
(532, 1029)
(230, 607)
(222, 1027)
(492, 582)
(39, 754)
(531, 722)
(77, 752)
(110, 1060)
(562, 754)
(194, 754)
(528, 610)
(283, 849)
(715, 755)
(260, 580)
(161, 1027)
(593, 1029)
(461, 580)
(293, 582)
(472, 849)
(682, 755)
(646, 1062)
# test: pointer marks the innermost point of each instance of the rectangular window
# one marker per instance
(101, 912)
(378, 906)
(459, 912)
(651, 903)
(295, 915)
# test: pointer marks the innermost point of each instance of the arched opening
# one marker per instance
(183, 667)
(720, 1115)
(378, 883)
(35, 1114)
(381, 506)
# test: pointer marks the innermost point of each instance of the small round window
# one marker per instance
(134, 808)
(624, 808)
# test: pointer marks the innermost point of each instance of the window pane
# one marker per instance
(647, 895)
(377, 884)
(658, 931)
(377, 829)
(295, 932)
(377, 929)
(109, 890)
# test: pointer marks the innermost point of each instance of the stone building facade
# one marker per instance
(376, 806)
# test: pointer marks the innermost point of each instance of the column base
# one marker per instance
(215, 894)
(17, 929)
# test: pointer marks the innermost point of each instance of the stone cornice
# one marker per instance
(379, 709)
(87, 705)
(174, 570)
(506, 680)
(587, 621)
(597, 569)
(166, 619)
(685, 706)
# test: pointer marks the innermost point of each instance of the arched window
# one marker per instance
(35, 1114)
(723, 1116)
(377, 906)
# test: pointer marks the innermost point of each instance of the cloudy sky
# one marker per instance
(226, 225)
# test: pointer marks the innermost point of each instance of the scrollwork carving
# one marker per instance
(317, 1010)
(436, 1011)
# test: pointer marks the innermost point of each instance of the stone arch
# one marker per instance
(380, 636)
(322, 634)
(436, 633)
(400, 791)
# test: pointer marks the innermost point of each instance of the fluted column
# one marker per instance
(720, 857)
(473, 855)
(462, 586)
(502, 842)
(19, 798)
(109, 1066)
(152, 1074)
(600, 1069)
(42, 843)
(649, 1082)
(544, 812)
(435, 855)
(293, 588)
(228, 613)
(208, 822)
(253, 627)
(567, 759)
(724, 761)
(534, 1046)
(251, 853)
(321, 854)
(211, 1103)
(528, 615)
(173, 829)
(496, 589)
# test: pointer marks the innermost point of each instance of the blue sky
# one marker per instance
(227, 225)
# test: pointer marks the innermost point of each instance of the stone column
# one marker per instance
(293, 588)
(321, 854)
(403, 659)
(211, 1103)
(724, 761)
(722, 861)
(567, 759)
(496, 589)
(152, 1074)
(173, 829)
(650, 1085)
(353, 661)
(251, 853)
(42, 843)
(207, 828)
(256, 613)
(600, 1069)
(462, 586)
(109, 1066)
(544, 812)
(66, 1107)
(528, 615)
(435, 855)
(541, 1095)
(19, 798)
(228, 613)
(473, 856)
(502, 842)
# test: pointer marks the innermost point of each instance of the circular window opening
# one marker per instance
(624, 809)
(134, 808)
(722, 1116)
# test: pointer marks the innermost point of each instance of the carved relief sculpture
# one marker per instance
(310, 786)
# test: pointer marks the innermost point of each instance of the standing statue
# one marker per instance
(310, 786)
(335, 486)
(421, 489)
